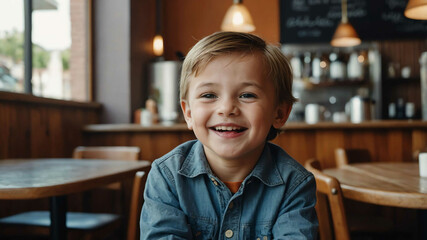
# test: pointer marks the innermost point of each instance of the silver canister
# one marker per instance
(361, 109)
(423, 74)
(164, 79)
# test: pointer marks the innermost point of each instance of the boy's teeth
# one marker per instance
(225, 128)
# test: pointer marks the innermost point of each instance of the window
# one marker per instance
(60, 48)
(11, 45)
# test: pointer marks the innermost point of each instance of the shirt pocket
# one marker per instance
(202, 227)
(258, 231)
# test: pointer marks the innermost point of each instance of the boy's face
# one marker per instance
(231, 106)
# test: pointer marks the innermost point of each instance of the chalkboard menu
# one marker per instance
(315, 21)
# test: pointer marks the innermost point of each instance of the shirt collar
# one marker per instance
(265, 169)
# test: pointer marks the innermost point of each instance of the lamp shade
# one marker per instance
(345, 36)
(238, 19)
(416, 9)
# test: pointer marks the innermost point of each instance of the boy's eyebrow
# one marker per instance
(206, 84)
(244, 84)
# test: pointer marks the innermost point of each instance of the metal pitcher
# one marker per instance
(361, 109)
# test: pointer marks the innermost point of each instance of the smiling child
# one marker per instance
(231, 183)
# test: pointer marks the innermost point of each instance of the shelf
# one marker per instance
(401, 80)
(330, 83)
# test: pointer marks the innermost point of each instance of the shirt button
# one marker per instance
(231, 205)
(214, 181)
(264, 238)
(228, 233)
(258, 238)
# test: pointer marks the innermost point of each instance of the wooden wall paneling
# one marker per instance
(186, 136)
(34, 127)
(39, 131)
(153, 144)
(145, 142)
(419, 140)
(71, 124)
(39, 128)
(301, 145)
(95, 139)
(385, 144)
(395, 146)
(407, 146)
(362, 139)
(116, 139)
(165, 142)
(403, 53)
(142, 30)
(381, 151)
(56, 133)
(4, 129)
(19, 142)
(326, 143)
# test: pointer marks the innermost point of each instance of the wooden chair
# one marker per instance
(109, 152)
(417, 152)
(351, 155)
(81, 225)
(330, 209)
(128, 153)
(137, 200)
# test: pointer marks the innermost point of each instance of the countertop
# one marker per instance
(289, 126)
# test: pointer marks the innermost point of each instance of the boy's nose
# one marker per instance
(228, 108)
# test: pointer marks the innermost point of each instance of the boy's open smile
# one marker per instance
(228, 128)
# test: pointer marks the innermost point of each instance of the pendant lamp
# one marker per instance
(416, 9)
(345, 35)
(238, 18)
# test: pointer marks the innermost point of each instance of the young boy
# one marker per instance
(231, 183)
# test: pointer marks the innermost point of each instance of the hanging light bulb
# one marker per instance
(158, 45)
(238, 18)
(345, 35)
(416, 9)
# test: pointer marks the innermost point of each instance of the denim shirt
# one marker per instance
(185, 200)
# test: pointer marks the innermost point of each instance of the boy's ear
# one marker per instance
(187, 114)
(282, 114)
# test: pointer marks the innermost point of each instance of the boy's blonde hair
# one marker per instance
(222, 43)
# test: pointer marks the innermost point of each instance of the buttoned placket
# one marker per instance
(230, 223)
(230, 226)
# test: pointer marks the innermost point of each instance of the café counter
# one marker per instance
(387, 140)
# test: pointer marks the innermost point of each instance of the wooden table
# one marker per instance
(388, 184)
(55, 178)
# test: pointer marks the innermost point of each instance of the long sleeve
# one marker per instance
(297, 218)
(161, 216)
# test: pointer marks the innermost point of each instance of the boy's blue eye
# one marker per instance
(248, 95)
(208, 95)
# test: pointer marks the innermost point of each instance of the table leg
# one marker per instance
(58, 209)
(422, 223)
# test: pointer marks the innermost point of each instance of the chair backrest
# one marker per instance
(330, 207)
(416, 153)
(107, 152)
(351, 155)
(137, 200)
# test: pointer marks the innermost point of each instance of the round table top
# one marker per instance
(388, 184)
(46, 177)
